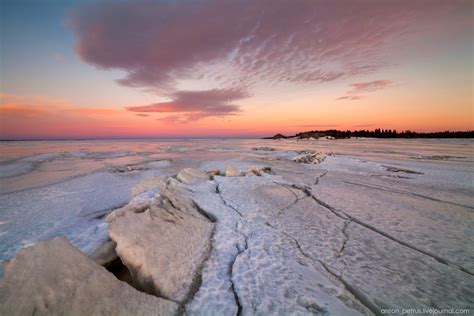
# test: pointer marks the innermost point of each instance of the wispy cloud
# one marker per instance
(20, 106)
(195, 105)
(359, 89)
(319, 125)
(371, 86)
(347, 97)
(59, 57)
(24, 116)
(363, 125)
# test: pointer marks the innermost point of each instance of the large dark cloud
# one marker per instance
(244, 42)
(196, 104)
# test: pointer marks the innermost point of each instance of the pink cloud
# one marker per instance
(360, 88)
(158, 43)
(348, 97)
(363, 125)
(23, 116)
(26, 107)
(59, 57)
(239, 44)
(196, 104)
(318, 125)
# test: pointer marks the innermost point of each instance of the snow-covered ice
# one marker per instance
(376, 224)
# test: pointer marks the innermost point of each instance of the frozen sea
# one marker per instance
(420, 192)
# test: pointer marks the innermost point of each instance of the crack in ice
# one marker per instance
(219, 192)
(240, 250)
(319, 177)
(356, 294)
(346, 216)
(237, 299)
(346, 238)
(392, 190)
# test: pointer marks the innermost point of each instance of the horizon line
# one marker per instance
(123, 137)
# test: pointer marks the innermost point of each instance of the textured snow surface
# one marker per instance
(257, 266)
(382, 224)
(279, 248)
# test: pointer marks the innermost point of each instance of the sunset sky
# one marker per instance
(80, 69)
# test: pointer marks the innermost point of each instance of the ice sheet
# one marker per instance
(332, 232)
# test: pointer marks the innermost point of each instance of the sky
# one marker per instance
(237, 68)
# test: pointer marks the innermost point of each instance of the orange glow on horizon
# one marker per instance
(24, 117)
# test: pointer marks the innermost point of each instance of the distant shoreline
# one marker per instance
(377, 133)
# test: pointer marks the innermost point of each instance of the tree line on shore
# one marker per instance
(377, 133)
